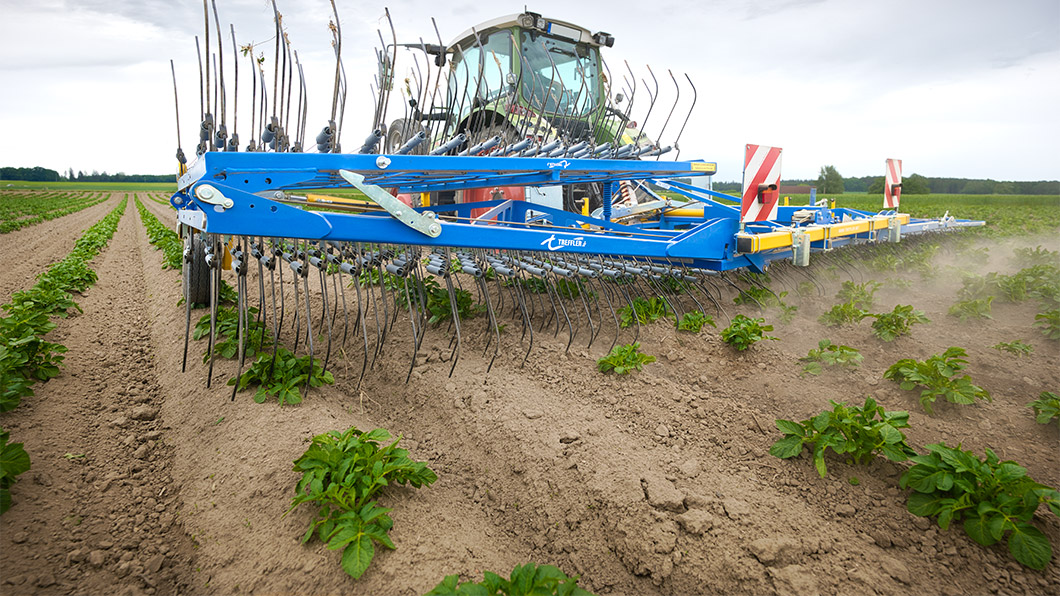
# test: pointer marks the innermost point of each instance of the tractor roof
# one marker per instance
(544, 24)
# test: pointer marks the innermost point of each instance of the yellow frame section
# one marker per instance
(783, 239)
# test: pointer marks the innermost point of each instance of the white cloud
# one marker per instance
(954, 88)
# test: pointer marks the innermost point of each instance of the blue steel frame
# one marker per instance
(251, 181)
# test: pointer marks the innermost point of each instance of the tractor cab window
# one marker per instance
(558, 74)
(478, 75)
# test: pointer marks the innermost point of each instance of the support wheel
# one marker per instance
(196, 271)
(400, 131)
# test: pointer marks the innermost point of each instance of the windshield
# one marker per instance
(570, 70)
(492, 60)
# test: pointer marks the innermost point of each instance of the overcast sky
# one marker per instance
(967, 88)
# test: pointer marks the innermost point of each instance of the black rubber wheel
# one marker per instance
(399, 133)
(196, 272)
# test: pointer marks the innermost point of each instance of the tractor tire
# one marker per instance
(196, 271)
(397, 136)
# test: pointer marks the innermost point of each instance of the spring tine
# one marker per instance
(202, 92)
(324, 308)
(241, 302)
(605, 285)
(308, 326)
(215, 283)
(206, 38)
(277, 252)
(370, 294)
(187, 301)
(360, 318)
(570, 327)
(454, 356)
(653, 97)
(629, 300)
(222, 107)
(383, 299)
(493, 323)
(235, 91)
(677, 145)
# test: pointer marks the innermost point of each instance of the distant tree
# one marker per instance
(915, 185)
(978, 187)
(1005, 188)
(876, 188)
(829, 181)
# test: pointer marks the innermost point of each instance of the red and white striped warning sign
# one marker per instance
(761, 178)
(892, 184)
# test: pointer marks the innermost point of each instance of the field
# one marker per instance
(145, 481)
(101, 186)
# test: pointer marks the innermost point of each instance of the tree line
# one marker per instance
(39, 174)
(831, 182)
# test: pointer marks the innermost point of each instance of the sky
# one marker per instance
(965, 89)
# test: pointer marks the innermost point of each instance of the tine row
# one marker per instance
(542, 292)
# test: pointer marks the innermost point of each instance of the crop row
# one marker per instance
(24, 211)
(25, 356)
(162, 237)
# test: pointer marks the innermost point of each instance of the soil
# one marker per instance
(658, 482)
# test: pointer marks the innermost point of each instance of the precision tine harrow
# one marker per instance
(515, 188)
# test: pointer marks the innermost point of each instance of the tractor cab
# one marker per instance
(521, 74)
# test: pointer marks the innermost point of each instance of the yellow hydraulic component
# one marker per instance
(784, 238)
(330, 200)
(585, 212)
(226, 260)
(425, 199)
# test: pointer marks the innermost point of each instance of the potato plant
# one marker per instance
(694, 321)
(1046, 407)
(860, 432)
(892, 325)
(830, 354)
(342, 473)
(1049, 321)
(1017, 347)
(938, 376)
(282, 376)
(624, 359)
(995, 499)
(844, 313)
(743, 332)
(13, 461)
(643, 311)
(525, 580)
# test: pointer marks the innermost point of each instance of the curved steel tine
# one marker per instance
(308, 324)
(215, 283)
(187, 307)
(222, 108)
(291, 258)
(324, 309)
(493, 323)
(202, 81)
(680, 132)
(570, 326)
(374, 300)
(277, 256)
(605, 285)
(527, 323)
(336, 33)
(360, 316)
(653, 96)
(241, 315)
(658, 141)
(454, 356)
(383, 300)
(629, 300)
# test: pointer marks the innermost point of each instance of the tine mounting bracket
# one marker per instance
(425, 223)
